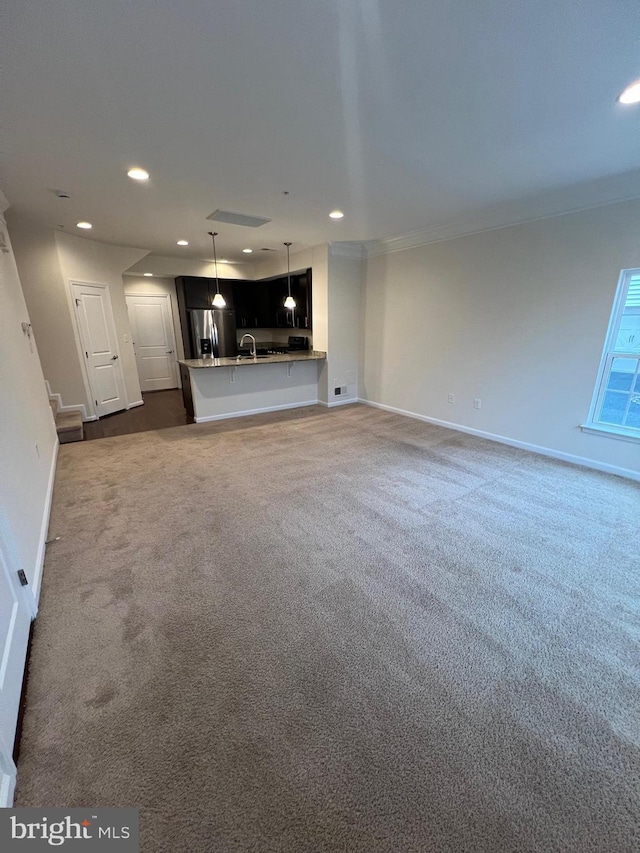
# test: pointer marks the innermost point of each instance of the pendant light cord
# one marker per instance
(288, 270)
(289, 302)
(214, 234)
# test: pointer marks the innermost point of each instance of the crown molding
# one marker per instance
(502, 216)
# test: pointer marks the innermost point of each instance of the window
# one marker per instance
(616, 402)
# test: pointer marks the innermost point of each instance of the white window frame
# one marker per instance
(608, 354)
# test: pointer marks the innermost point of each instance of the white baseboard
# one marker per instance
(76, 407)
(628, 473)
(340, 402)
(134, 404)
(44, 530)
(343, 401)
(255, 411)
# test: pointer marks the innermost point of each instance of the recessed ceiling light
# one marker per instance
(84, 225)
(138, 174)
(631, 94)
(147, 274)
(247, 251)
(336, 214)
(182, 243)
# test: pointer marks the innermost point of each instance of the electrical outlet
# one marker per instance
(477, 403)
(126, 339)
(452, 398)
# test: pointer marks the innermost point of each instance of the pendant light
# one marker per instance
(289, 302)
(218, 299)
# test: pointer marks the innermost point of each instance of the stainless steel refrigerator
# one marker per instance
(213, 333)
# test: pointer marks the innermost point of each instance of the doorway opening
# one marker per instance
(161, 409)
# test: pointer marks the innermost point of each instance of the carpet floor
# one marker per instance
(339, 630)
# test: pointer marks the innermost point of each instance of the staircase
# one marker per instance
(68, 424)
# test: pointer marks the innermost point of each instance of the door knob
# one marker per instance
(113, 357)
(169, 351)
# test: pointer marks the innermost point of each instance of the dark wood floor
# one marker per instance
(161, 409)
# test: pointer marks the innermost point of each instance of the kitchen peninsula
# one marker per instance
(217, 388)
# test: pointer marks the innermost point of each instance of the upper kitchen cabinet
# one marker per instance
(301, 292)
(258, 304)
(242, 302)
(261, 305)
(198, 291)
(252, 304)
(300, 316)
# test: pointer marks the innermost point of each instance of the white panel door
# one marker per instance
(98, 337)
(15, 620)
(152, 328)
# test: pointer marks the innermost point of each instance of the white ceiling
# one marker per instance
(409, 116)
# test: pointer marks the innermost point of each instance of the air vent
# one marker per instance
(238, 218)
(265, 249)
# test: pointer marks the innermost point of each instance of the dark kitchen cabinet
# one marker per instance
(261, 305)
(298, 317)
(243, 304)
(280, 316)
(258, 304)
(196, 293)
(251, 301)
(187, 394)
(199, 291)
(301, 292)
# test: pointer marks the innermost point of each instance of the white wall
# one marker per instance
(158, 287)
(28, 441)
(92, 262)
(345, 305)
(44, 290)
(516, 317)
(47, 261)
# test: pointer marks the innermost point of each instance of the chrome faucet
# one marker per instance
(253, 350)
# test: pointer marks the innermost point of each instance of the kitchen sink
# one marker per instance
(250, 357)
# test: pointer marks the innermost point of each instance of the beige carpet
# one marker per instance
(339, 631)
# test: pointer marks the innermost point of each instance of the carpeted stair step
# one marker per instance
(69, 427)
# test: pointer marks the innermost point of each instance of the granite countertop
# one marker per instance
(303, 355)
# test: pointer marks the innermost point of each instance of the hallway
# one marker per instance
(161, 409)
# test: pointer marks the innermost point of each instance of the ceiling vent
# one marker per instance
(238, 218)
(267, 249)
